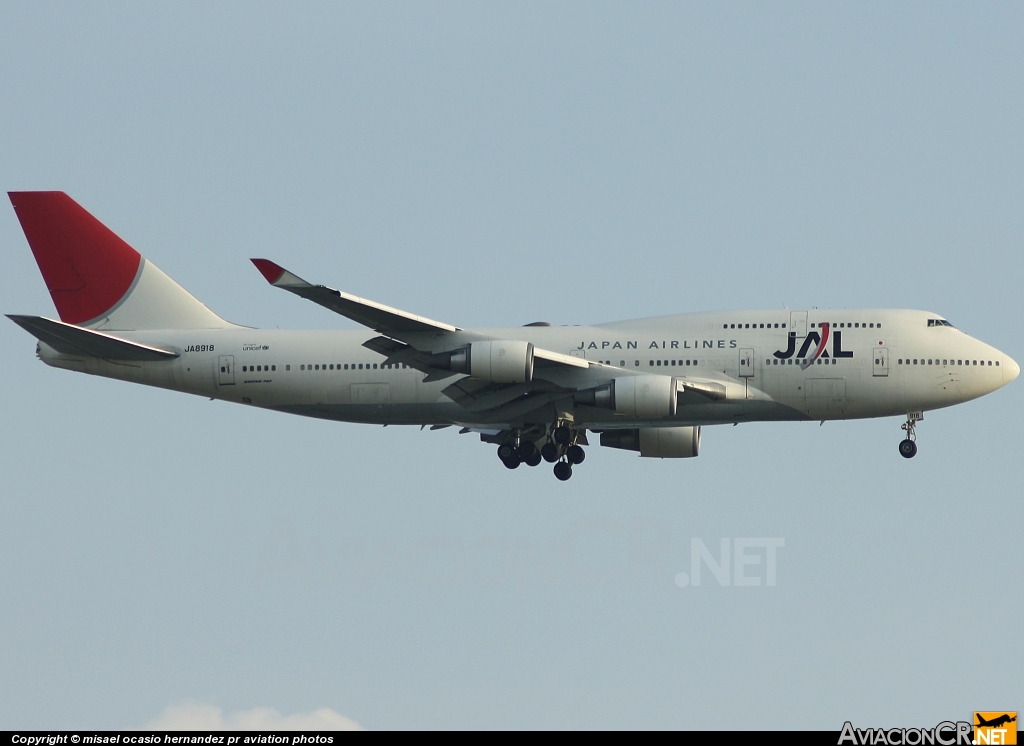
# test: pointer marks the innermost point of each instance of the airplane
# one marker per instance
(534, 391)
(995, 722)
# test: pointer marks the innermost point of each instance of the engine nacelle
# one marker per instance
(656, 442)
(501, 361)
(648, 396)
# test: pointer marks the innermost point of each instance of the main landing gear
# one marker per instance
(560, 447)
(908, 446)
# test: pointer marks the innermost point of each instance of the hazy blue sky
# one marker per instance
(489, 164)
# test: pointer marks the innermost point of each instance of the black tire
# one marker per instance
(563, 471)
(535, 458)
(575, 454)
(549, 452)
(512, 462)
(908, 448)
(562, 435)
(506, 451)
(526, 450)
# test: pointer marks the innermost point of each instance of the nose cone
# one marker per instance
(1010, 369)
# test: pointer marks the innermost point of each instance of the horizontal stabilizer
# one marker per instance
(74, 340)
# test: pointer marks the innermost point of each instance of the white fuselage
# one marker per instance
(876, 363)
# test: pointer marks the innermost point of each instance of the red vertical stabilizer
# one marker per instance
(86, 267)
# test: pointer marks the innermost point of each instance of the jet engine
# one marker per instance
(500, 361)
(656, 442)
(634, 396)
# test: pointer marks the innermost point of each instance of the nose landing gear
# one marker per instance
(908, 446)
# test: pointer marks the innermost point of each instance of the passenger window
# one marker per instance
(287, 367)
(783, 326)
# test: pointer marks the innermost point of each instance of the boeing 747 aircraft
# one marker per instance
(533, 391)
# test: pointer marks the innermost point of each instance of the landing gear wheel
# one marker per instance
(908, 448)
(549, 452)
(562, 435)
(506, 451)
(526, 450)
(535, 458)
(575, 454)
(563, 471)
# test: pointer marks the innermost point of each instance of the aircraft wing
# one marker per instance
(393, 323)
(381, 318)
(75, 340)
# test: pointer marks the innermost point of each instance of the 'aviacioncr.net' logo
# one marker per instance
(995, 727)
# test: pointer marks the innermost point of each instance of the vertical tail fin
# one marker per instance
(95, 278)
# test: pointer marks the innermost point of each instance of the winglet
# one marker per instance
(278, 276)
(268, 269)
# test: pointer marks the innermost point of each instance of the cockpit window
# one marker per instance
(940, 322)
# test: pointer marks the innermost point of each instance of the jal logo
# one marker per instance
(995, 728)
(819, 342)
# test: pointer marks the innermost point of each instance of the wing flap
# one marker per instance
(74, 340)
